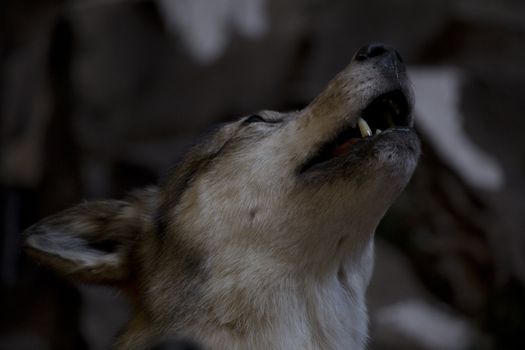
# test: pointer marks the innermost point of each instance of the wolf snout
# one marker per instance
(385, 55)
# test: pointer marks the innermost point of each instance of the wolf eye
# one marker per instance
(254, 119)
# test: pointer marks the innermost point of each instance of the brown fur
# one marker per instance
(244, 246)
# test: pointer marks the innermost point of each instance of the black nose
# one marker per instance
(376, 50)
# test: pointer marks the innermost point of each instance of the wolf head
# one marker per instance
(264, 199)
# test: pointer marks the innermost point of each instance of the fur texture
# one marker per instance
(250, 243)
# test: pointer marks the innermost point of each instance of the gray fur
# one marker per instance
(240, 247)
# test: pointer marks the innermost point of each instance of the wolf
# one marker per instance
(261, 237)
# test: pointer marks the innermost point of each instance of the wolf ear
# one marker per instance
(93, 241)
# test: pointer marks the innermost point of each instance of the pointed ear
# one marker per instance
(94, 240)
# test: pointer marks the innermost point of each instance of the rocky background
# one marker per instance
(99, 96)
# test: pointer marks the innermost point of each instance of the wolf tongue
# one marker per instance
(365, 131)
(344, 147)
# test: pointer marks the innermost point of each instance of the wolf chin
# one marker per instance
(262, 235)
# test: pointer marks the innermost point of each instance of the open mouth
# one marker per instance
(388, 111)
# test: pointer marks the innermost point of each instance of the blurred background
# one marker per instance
(99, 96)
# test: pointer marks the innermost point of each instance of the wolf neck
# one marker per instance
(299, 309)
(335, 305)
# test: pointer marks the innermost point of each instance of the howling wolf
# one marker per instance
(262, 235)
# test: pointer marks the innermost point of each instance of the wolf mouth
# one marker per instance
(388, 111)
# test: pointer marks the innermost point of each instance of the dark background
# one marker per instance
(98, 97)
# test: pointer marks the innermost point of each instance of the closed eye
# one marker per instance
(255, 118)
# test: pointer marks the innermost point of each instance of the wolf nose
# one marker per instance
(377, 50)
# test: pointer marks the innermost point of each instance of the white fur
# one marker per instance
(73, 249)
(256, 253)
